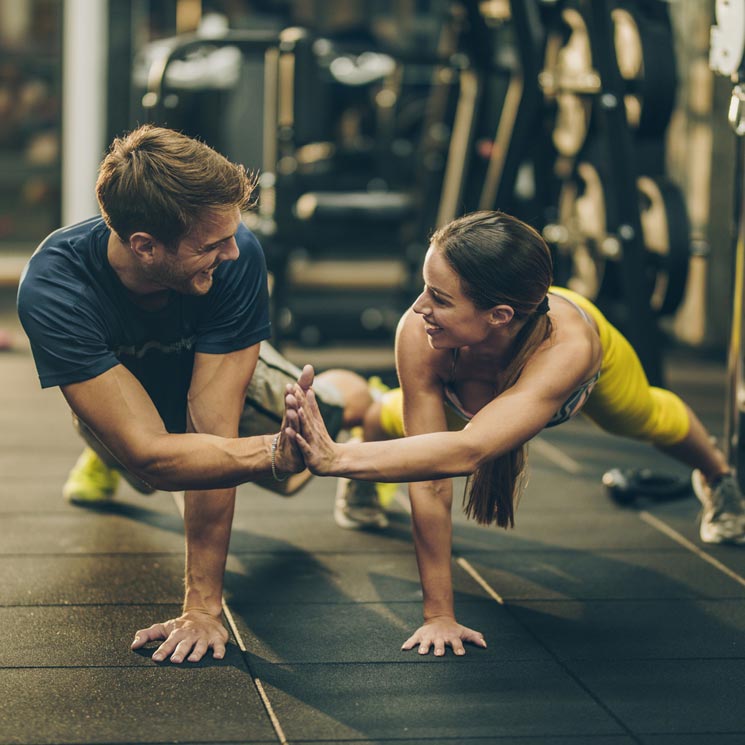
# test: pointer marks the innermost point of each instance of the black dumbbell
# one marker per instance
(625, 485)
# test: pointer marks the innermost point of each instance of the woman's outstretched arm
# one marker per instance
(510, 420)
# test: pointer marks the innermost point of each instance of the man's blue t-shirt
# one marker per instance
(81, 321)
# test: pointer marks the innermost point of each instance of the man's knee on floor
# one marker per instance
(353, 391)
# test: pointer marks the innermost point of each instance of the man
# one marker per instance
(150, 321)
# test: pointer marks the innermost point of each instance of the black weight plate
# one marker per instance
(655, 87)
(669, 262)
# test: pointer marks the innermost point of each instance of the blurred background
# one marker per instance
(371, 122)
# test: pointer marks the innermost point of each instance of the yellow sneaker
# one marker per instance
(90, 480)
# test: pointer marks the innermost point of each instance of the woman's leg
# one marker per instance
(361, 504)
(698, 450)
(624, 403)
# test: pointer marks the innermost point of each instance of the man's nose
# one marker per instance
(230, 252)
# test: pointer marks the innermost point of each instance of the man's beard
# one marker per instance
(168, 277)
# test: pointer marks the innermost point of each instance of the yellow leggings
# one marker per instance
(622, 401)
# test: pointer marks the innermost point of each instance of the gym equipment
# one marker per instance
(667, 240)
(625, 221)
(620, 229)
(628, 486)
(514, 139)
(359, 197)
(584, 91)
(727, 57)
(568, 77)
(590, 254)
(644, 52)
(646, 61)
(203, 86)
(364, 149)
(581, 238)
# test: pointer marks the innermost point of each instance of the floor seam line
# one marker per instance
(178, 498)
(557, 660)
(681, 540)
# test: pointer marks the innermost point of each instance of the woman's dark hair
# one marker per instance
(501, 260)
(162, 182)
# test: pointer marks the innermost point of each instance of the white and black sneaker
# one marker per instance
(723, 512)
(357, 505)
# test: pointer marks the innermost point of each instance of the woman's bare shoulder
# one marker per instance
(573, 346)
(572, 327)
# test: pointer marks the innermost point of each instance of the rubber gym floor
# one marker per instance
(605, 625)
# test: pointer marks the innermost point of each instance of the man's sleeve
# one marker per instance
(238, 315)
(67, 339)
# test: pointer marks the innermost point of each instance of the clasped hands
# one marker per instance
(304, 436)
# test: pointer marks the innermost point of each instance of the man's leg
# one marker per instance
(361, 505)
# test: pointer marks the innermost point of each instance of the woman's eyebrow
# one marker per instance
(437, 291)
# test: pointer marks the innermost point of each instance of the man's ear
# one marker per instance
(501, 315)
(143, 246)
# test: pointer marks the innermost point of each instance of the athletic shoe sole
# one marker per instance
(344, 521)
(712, 532)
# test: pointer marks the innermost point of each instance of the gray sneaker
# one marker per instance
(357, 505)
(723, 513)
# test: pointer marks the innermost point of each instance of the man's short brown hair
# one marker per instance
(161, 182)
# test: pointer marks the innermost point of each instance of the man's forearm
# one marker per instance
(196, 461)
(208, 516)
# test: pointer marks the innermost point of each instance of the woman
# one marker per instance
(488, 355)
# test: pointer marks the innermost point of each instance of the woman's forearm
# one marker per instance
(417, 458)
(431, 505)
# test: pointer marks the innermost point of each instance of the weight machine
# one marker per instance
(578, 149)
(727, 57)
(577, 92)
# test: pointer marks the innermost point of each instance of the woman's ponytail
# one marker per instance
(493, 491)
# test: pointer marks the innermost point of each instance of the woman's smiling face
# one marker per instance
(450, 318)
